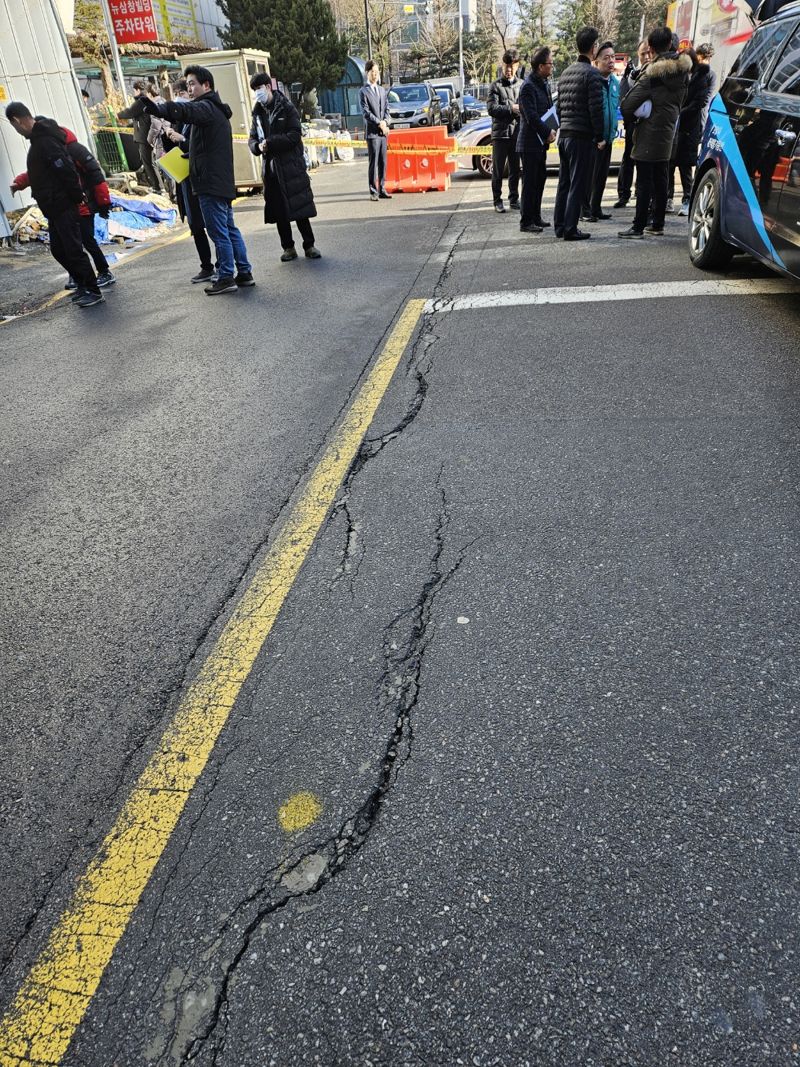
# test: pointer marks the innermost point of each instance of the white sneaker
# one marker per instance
(670, 208)
(684, 208)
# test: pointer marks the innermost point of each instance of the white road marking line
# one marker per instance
(585, 294)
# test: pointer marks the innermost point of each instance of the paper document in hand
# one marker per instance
(550, 119)
(175, 163)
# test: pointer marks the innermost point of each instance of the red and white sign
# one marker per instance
(133, 21)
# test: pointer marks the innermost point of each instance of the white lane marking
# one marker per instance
(585, 294)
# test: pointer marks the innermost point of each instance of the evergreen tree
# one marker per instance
(629, 14)
(300, 36)
(535, 26)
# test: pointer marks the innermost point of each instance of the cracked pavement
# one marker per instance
(539, 667)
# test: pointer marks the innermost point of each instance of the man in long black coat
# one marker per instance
(275, 135)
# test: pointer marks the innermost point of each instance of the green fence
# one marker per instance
(110, 152)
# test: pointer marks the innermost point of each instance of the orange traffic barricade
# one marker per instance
(417, 160)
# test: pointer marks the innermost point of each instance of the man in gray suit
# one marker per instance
(374, 101)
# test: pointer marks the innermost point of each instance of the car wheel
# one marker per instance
(483, 164)
(707, 249)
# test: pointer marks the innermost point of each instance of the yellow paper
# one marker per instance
(175, 164)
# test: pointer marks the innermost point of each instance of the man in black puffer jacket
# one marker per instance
(56, 188)
(275, 135)
(211, 172)
(503, 106)
(581, 117)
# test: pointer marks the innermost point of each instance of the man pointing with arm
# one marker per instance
(211, 172)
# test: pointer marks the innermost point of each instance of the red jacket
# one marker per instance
(89, 171)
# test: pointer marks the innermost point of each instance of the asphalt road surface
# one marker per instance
(513, 777)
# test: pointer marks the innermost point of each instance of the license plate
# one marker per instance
(401, 125)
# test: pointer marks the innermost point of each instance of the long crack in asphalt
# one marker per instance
(405, 640)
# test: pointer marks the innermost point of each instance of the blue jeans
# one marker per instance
(228, 242)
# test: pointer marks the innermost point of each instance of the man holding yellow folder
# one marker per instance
(188, 204)
(211, 173)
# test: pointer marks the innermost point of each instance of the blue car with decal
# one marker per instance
(746, 192)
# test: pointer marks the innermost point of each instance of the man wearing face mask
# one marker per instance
(211, 172)
(275, 136)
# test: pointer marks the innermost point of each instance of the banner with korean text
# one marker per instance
(133, 21)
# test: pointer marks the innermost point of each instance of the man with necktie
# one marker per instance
(374, 101)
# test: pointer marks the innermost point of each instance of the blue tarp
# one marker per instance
(132, 217)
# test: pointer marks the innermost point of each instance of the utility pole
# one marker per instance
(369, 29)
(112, 40)
(461, 48)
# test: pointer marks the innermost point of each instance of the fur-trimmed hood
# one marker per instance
(668, 65)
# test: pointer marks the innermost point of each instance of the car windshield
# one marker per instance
(408, 94)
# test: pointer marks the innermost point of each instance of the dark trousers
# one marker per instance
(146, 156)
(285, 233)
(685, 160)
(277, 209)
(597, 181)
(626, 167)
(196, 223)
(575, 161)
(503, 151)
(89, 240)
(66, 245)
(651, 184)
(376, 149)
(534, 175)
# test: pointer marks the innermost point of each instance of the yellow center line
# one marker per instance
(51, 1002)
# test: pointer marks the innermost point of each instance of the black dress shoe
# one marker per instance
(620, 204)
(604, 215)
(530, 228)
(577, 235)
(542, 223)
(515, 205)
(385, 196)
(558, 232)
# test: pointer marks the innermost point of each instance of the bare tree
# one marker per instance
(438, 36)
(385, 16)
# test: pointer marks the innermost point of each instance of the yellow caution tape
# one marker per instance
(341, 142)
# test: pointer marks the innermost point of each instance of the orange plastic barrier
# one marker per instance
(417, 172)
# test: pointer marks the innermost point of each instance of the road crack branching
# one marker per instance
(419, 364)
(405, 640)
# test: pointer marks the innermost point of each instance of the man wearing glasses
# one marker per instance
(536, 133)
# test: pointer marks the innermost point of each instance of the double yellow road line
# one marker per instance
(52, 1000)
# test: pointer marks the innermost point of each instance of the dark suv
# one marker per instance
(414, 105)
(451, 115)
(746, 193)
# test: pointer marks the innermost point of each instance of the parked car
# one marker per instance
(471, 134)
(451, 114)
(414, 105)
(479, 133)
(473, 107)
(746, 192)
